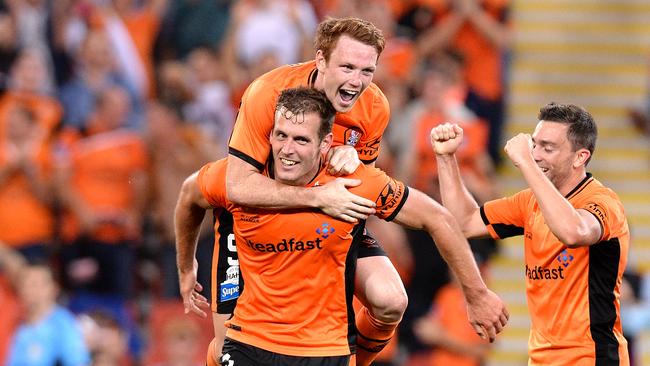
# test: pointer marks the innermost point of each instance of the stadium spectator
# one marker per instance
(8, 47)
(107, 340)
(176, 149)
(211, 105)
(10, 316)
(27, 85)
(102, 181)
(479, 30)
(26, 192)
(95, 71)
(49, 333)
(445, 329)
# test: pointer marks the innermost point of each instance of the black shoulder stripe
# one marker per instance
(506, 231)
(234, 152)
(484, 216)
(502, 230)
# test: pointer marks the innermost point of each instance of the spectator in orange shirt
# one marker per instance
(102, 180)
(446, 329)
(28, 85)
(26, 214)
(478, 29)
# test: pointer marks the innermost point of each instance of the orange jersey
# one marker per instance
(450, 311)
(103, 166)
(48, 110)
(361, 127)
(573, 293)
(298, 268)
(24, 217)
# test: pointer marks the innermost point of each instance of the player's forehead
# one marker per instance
(550, 132)
(348, 49)
(300, 123)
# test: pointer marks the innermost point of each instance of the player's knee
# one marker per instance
(390, 305)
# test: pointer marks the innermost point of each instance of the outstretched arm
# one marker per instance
(446, 139)
(247, 187)
(487, 312)
(188, 215)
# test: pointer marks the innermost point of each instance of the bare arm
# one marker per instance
(188, 215)
(439, 36)
(573, 227)
(497, 33)
(446, 139)
(247, 187)
(487, 313)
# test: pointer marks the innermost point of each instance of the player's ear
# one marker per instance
(326, 143)
(320, 61)
(581, 158)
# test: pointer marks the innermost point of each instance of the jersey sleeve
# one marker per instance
(505, 217)
(212, 183)
(250, 137)
(608, 211)
(389, 194)
(369, 145)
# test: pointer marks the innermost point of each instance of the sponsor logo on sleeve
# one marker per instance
(229, 288)
(389, 196)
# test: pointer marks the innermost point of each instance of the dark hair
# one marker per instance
(582, 131)
(331, 29)
(302, 100)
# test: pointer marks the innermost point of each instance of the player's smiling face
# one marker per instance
(297, 149)
(553, 152)
(347, 73)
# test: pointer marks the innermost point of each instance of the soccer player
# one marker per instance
(298, 265)
(575, 232)
(347, 51)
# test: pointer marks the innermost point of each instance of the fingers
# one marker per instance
(343, 168)
(350, 182)
(342, 160)
(446, 131)
(194, 302)
(479, 330)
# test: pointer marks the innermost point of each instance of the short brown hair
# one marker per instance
(331, 29)
(302, 100)
(582, 131)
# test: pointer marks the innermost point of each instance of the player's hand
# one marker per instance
(487, 313)
(520, 149)
(190, 291)
(342, 160)
(335, 200)
(446, 138)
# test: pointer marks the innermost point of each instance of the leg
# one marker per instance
(216, 345)
(379, 287)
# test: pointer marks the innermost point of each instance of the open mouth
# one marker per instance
(288, 162)
(348, 95)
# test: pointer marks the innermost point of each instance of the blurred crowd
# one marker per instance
(107, 105)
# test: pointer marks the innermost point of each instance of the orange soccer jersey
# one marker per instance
(298, 268)
(573, 293)
(361, 127)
